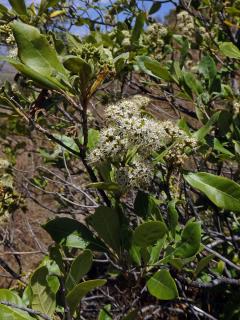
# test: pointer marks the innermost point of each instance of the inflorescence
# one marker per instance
(133, 138)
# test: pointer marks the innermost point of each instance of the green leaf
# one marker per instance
(208, 69)
(223, 192)
(201, 133)
(35, 51)
(143, 204)
(193, 84)
(162, 286)
(10, 312)
(219, 147)
(229, 50)
(77, 293)
(172, 216)
(148, 233)
(45, 4)
(104, 313)
(138, 28)
(80, 266)
(109, 186)
(203, 264)
(153, 68)
(60, 228)
(43, 298)
(18, 6)
(190, 240)
(3, 9)
(73, 233)
(93, 138)
(155, 7)
(105, 222)
(155, 251)
(43, 80)
(77, 65)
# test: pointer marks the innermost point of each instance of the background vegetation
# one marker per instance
(129, 143)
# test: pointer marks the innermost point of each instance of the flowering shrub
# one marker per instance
(140, 159)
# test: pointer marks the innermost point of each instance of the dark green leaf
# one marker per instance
(201, 133)
(203, 264)
(162, 286)
(138, 28)
(18, 6)
(77, 293)
(105, 222)
(155, 7)
(148, 233)
(143, 204)
(208, 68)
(193, 84)
(80, 266)
(73, 233)
(172, 216)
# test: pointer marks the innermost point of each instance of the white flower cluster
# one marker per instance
(130, 131)
(236, 107)
(7, 31)
(155, 34)
(185, 23)
(154, 38)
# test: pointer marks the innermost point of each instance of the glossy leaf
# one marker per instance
(223, 192)
(43, 298)
(43, 80)
(190, 240)
(148, 233)
(35, 51)
(80, 266)
(162, 286)
(153, 68)
(77, 293)
(105, 222)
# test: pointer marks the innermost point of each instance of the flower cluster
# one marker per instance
(9, 199)
(95, 56)
(154, 38)
(236, 107)
(185, 24)
(6, 30)
(132, 138)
